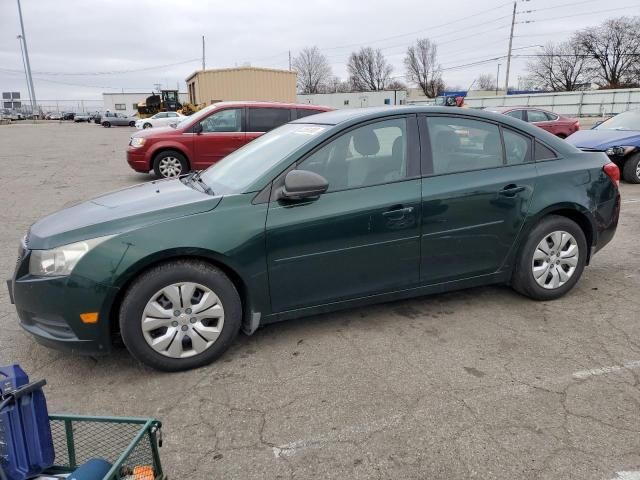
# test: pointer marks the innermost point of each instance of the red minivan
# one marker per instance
(209, 135)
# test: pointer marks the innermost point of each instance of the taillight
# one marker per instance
(613, 172)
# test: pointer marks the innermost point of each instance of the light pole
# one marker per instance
(34, 103)
(26, 77)
(497, 79)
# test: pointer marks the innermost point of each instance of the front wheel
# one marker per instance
(552, 259)
(170, 164)
(146, 125)
(180, 315)
(106, 124)
(631, 169)
(132, 124)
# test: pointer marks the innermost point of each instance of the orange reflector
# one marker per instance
(89, 317)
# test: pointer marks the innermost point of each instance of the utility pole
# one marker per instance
(513, 22)
(26, 77)
(34, 103)
(497, 79)
(289, 60)
(203, 57)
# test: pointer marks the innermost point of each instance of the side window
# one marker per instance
(305, 112)
(265, 119)
(517, 147)
(544, 153)
(519, 114)
(536, 116)
(460, 144)
(551, 116)
(161, 115)
(172, 114)
(229, 120)
(368, 155)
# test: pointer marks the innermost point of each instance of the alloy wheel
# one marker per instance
(170, 167)
(182, 320)
(555, 260)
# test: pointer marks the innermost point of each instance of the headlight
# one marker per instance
(137, 142)
(619, 151)
(61, 260)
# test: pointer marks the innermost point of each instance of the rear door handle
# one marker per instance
(398, 212)
(511, 190)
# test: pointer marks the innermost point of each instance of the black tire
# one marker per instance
(630, 169)
(152, 281)
(132, 124)
(146, 125)
(561, 135)
(184, 164)
(106, 124)
(523, 280)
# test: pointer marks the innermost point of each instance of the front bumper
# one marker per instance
(49, 309)
(137, 160)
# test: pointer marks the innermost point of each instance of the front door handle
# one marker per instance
(397, 213)
(511, 190)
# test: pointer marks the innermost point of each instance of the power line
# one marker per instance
(111, 72)
(582, 14)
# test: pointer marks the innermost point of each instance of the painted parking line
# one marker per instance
(631, 475)
(594, 372)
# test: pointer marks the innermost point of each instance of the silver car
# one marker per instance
(110, 119)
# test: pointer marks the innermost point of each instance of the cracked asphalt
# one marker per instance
(479, 383)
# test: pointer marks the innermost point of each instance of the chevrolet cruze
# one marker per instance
(336, 210)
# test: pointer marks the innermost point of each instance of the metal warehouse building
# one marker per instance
(355, 99)
(242, 83)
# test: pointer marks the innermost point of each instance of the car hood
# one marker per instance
(154, 132)
(120, 211)
(603, 139)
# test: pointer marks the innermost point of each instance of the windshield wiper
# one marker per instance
(194, 177)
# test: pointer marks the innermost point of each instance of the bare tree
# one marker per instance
(368, 70)
(422, 67)
(486, 81)
(336, 85)
(396, 85)
(559, 67)
(614, 48)
(313, 70)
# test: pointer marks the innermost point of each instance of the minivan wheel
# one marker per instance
(631, 169)
(180, 315)
(170, 164)
(552, 259)
(106, 124)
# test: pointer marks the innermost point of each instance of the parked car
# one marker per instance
(209, 135)
(551, 122)
(160, 119)
(54, 116)
(619, 138)
(334, 210)
(82, 117)
(68, 116)
(109, 119)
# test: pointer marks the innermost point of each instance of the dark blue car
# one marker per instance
(619, 138)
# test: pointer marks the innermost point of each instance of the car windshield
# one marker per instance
(624, 121)
(246, 165)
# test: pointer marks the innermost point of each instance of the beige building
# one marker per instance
(242, 83)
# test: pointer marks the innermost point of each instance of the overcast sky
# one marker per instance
(92, 36)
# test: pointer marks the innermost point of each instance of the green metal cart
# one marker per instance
(129, 444)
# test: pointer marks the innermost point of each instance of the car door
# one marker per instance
(263, 119)
(362, 236)
(159, 119)
(221, 133)
(475, 195)
(172, 118)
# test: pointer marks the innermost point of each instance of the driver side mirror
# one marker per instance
(302, 184)
(197, 129)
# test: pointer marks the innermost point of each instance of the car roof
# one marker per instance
(250, 103)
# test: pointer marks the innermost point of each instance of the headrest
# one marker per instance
(366, 142)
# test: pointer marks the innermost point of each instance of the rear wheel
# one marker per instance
(180, 315)
(552, 259)
(146, 125)
(170, 164)
(106, 124)
(132, 124)
(631, 169)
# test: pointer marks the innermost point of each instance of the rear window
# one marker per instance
(542, 152)
(265, 119)
(305, 112)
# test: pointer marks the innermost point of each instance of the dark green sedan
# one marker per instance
(336, 210)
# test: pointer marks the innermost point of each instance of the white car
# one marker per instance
(161, 119)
